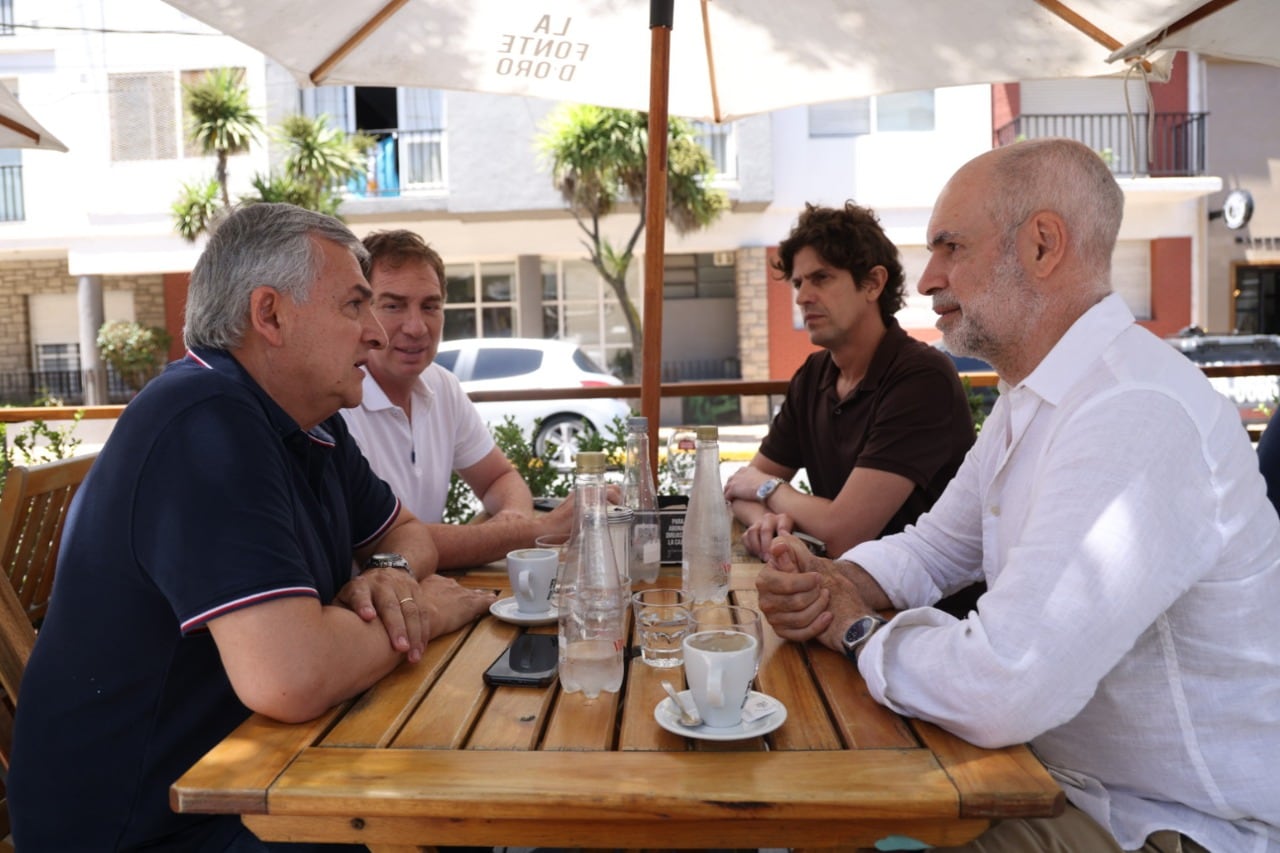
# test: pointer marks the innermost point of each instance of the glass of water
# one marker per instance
(662, 621)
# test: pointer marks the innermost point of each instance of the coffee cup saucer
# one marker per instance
(772, 714)
(507, 610)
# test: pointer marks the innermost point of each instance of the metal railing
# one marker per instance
(12, 207)
(401, 161)
(1160, 146)
(28, 387)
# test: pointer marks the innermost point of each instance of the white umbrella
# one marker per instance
(1247, 30)
(19, 130)
(724, 59)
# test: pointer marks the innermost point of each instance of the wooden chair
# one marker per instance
(17, 638)
(33, 510)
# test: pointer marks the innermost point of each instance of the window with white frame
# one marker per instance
(480, 301)
(149, 114)
(410, 127)
(721, 140)
(910, 111)
(579, 305)
(6, 17)
(704, 275)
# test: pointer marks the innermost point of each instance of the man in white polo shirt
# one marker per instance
(416, 425)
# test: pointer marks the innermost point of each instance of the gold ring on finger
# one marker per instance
(403, 600)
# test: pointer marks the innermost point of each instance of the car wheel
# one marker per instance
(562, 431)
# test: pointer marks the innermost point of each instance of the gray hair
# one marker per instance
(255, 245)
(1071, 180)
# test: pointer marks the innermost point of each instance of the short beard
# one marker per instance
(1011, 305)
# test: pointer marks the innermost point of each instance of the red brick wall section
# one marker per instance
(175, 308)
(1170, 285)
(1172, 96)
(788, 346)
(1006, 105)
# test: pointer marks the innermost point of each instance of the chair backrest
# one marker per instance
(33, 510)
(17, 638)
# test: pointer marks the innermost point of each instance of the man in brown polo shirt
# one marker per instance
(878, 420)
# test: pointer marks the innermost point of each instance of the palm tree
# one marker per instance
(196, 207)
(598, 159)
(221, 121)
(319, 156)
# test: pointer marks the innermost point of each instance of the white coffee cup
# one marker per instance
(531, 572)
(719, 666)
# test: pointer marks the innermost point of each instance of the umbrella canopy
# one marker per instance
(714, 59)
(19, 130)
(1247, 30)
(728, 58)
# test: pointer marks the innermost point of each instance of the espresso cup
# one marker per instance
(531, 572)
(719, 666)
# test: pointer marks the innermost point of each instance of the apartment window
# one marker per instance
(721, 141)
(12, 197)
(579, 305)
(6, 17)
(144, 116)
(408, 122)
(481, 301)
(148, 115)
(879, 114)
(57, 357)
(698, 276)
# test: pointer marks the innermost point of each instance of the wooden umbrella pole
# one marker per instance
(660, 20)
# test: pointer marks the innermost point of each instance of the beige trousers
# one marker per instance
(1071, 832)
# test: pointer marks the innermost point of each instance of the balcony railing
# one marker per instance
(12, 208)
(402, 161)
(27, 387)
(1167, 144)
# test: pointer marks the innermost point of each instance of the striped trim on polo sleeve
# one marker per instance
(381, 531)
(247, 601)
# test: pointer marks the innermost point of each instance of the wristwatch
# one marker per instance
(767, 488)
(387, 561)
(858, 633)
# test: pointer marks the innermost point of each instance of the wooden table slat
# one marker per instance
(1024, 790)
(234, 776)
(444, 719)
(377, 715)
(863, 722)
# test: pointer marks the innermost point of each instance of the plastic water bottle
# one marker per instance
(591, 606)
(705, 558)
(637, 494)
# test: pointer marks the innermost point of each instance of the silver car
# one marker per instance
(498, 364)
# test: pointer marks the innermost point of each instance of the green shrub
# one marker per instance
(136, 352)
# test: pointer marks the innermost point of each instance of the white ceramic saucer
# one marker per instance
(669, 718)
(507, 610)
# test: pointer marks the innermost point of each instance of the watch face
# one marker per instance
(767, 488)
(858, 631)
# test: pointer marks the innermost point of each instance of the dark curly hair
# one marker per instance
(397, 248)
(848, 238)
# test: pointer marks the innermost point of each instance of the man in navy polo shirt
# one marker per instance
(205, 571)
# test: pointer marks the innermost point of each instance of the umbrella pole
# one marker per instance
(660, 20)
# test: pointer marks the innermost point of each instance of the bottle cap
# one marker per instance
(592, 462)
(708, 433)
(638, 422)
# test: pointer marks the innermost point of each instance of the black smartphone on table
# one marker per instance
(530, 661)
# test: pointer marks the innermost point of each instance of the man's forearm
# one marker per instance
(508, 493)
(466, 545)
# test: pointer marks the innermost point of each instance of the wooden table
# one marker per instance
(431, 756)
